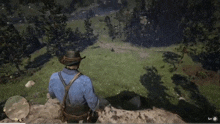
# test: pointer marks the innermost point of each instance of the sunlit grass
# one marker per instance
(211, 92)
(109, 69)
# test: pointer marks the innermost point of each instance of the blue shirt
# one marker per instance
(80, 92)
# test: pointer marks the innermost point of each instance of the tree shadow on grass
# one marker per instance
(171, 58)
(85, 42)
(132, 101)
(81, 44)
(209, 61)
(157, 97)
(189, 112)
(200, 110)
(152, 82)
(39, 61)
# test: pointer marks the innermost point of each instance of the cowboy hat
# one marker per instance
(71, 58)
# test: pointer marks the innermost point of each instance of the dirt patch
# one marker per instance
(200, 76)
(125, 48)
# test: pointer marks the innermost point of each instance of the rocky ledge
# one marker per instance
(49, 113)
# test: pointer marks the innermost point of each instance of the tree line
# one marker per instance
(51, 27)
(198, 20)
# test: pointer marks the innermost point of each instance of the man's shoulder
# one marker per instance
(84, 77)
(54, 76)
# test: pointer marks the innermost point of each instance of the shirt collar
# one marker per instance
(69, 72)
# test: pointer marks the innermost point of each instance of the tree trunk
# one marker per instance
(47, 48)
(119, 29)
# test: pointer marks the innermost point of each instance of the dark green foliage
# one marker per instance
(140, 5)
(111, 30)
(2, 22)
(13, 46)
(124, 3)
(30, 36)
(202, 22)
(134, 27)
(78, 34)
(123, 16)
(53, 26)
(107, 20)
(89, 31)
(198, 21)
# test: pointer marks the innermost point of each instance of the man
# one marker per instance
(80, 97)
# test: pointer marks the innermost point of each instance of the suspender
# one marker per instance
(67, 87)
(61, 78)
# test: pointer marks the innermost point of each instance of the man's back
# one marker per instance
(81, 91)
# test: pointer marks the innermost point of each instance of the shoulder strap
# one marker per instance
(61, 78)
(67, 87)
(66, 92)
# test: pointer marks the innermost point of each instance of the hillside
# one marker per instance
(155, 76)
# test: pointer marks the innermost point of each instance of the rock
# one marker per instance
(29, 84)
(49, 113)
(133, 104)
(182, 98)
(136, 101)
(48, 96)
(113, 115)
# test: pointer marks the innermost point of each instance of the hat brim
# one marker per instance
(70, 61)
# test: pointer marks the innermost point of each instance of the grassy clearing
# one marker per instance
(110, 73)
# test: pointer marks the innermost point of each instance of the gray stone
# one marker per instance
(132, 104)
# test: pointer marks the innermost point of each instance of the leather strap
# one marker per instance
(75, 117)
(61, 78)
(67, 87)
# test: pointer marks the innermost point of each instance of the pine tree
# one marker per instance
(13, 46)
(53, 26)
(89, 31)
(111, 30)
